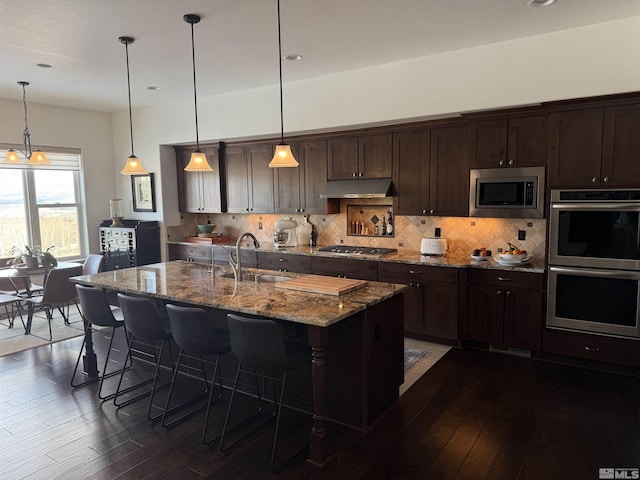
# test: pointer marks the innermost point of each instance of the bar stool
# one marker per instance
(96, 311)
(197, 337)
(145, 326)
(259, 345)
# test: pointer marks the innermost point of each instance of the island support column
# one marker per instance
(319, 444)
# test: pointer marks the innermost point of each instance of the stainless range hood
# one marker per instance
(368, 188)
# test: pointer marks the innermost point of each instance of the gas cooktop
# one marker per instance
(352, 251)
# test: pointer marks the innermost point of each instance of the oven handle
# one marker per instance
(592, 272)
(624, 207)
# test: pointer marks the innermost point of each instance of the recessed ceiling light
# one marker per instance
(293, 57)
(153, 88)
(44, 65)
(540, 3)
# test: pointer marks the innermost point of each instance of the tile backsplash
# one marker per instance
(462, 234)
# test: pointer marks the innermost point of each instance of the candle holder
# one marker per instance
(115, 208)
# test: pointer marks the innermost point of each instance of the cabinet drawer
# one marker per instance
(345, 267)
(506, 278)
(284, 262)
(408, 273)
(189, 253)
(592, 347)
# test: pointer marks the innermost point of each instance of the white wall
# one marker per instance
(65, 127)
(594, 60)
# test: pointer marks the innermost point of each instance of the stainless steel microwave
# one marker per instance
(507, 192)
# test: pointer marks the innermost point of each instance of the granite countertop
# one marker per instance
(405, 256)
(192, 283)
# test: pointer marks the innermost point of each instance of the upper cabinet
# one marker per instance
(249, 179)
(199, 192)
(595, 147)
(364, 156)
(515, 142)
(297, 190)
(431, 170)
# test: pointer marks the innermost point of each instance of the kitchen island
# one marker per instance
(356, 338)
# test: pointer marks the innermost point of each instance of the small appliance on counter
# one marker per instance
(433, 247)
(285, 234)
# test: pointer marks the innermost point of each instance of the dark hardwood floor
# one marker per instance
(474, 415)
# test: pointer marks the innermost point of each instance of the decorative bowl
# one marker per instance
(515, 257)
(207, 228)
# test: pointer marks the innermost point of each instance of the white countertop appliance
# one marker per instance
(285, 234)
(435, 247)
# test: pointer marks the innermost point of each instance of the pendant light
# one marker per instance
(198, 162)
(283, 156)
(133, 165)
(35, 157)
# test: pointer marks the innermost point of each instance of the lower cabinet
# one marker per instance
(431, 304)
(190, 253)
(345, 268)
(505, 308)
(284, 262)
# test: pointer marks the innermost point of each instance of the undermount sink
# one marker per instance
(258, 277)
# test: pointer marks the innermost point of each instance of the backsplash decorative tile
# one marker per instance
(462, 234)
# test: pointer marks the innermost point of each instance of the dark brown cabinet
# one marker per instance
(345, 268)
(449, 172)
(364, 156)
(284, 262)
(297, 190)
(199, 192)
(190, 253)
(505, 308)
(431, 304)
(514, 142)
(595, 147)
(431, 171)
(249, 180)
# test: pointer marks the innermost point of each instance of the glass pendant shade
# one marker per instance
(12, 157)
(283, 157)
(198, 163)
(133, 167)
(38, 157)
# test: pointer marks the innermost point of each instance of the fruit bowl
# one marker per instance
(209, 228)
(515, 257)
(479, 258)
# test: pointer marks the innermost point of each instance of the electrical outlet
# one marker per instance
(437, 232)
(422, 222)
(259, 225)
(522, 235)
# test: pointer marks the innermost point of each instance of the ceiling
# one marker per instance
(236, 41)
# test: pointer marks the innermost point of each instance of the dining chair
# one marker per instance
(92, 264)
(58, 292)
(15, 302)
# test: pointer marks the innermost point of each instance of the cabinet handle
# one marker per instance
(501, 163)
(411, 284)
(246, 209)
(499, 292)
(414, 272)
(432, 211)
(594, 180)
(281, 260)
(359, 174)
(605, 179)
(504, 279)
(591, 349)
(424, 212)
(354, 174)
(511, 162)
(508, 293)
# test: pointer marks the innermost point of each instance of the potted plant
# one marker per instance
(29, 256)
(48, 259)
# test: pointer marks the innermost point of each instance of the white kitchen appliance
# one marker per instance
(435, 247)
(285, 234)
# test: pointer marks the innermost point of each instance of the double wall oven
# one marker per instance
(594, 261)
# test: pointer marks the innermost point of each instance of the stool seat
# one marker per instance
(197, 337)
(259, 344)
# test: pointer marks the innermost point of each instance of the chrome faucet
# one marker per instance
(213, 258)
(236, 264)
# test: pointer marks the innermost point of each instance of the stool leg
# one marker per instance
(275, 435)
(210, 401)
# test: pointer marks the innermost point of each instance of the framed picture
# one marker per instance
(142, 188)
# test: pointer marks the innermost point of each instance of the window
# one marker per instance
(43, 207)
